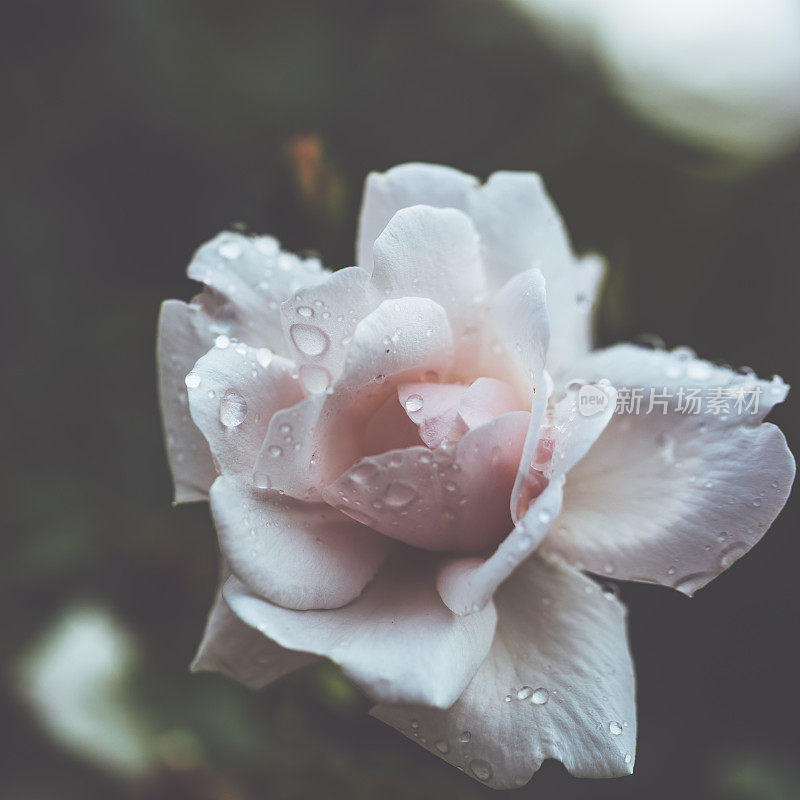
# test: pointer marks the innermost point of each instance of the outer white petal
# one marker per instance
(183, 336)
(250, 278)
(397, 641)
(561, 658)
(673, 498)
(309, 445)
(292, 553)
(233, 393)
(242, 653)
(402, 186)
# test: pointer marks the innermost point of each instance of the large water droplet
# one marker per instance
(481, 769)
(615, 728)
(363, 473)
(232, 409)
(540, 696)
(309, 339)
(413, 403)
(399, 494)
(314, 379)
(192, 380)
(264, 356)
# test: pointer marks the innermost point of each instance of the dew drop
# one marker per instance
(671, 571)
(465, 737)
(524, 693)
(309, 339)
(264, 356)
(441, 746)
(192, 380)
(481, 769)
(232, 409)
(615, 728)
(222, 341)
(275, 451)
(363, 473)
(628, 758)
(414, 724)
(314, 379)
(540, 696)
(399, 495)
(305, 311)
(413, 403)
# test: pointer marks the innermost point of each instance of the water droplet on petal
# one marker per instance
(222, 341)
(232, 409)
(309, 339)
(615, 728)
(413, 403)
(264, 356)
(305, 311)
(314, 379)
(465, 737)
(275, 451)
(524, 693)
(399, 494)
(481, 769)
(363, 473)
(441, 746)
(540, 696)
(192, 380)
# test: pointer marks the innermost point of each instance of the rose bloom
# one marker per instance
(411, 461)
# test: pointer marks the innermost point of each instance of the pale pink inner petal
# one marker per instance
(433, 407)
(390, 429)
(454, 498)
(486, 399)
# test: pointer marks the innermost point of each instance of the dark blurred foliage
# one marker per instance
(133, 131)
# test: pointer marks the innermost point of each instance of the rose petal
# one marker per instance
(319, 322)
(434, 252)
(520, 228)
(390, 429)
(560, 655)
(251, 277)
(308, 445)
(454, 499)
(183, 336)
(402, 186)
(486, 399)
(234, 392)
(242, 653)
(673, 498)
(433, 407)
(468, 584)
(292, 553)
(397, 641)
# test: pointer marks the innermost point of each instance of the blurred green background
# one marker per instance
(135, 130)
